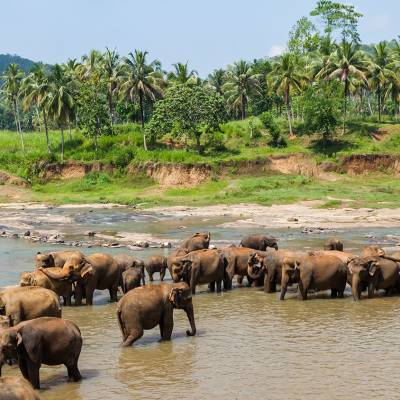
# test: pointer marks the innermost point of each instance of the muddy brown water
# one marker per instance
(249, 344)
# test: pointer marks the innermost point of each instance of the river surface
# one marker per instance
(249, 344)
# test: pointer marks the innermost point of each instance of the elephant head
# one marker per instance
(181, 298)
(26, 279)
(9, 342)
(44, 260)
(181, 269)
(76, 268)
(373, 251)
(290, 274)
(362, 274)
(4, 322)
(270, 242)
(255, 266)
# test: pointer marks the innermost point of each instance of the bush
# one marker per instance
(270, 123)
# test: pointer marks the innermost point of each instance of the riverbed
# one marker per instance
(249, 344)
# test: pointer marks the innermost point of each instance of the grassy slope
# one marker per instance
(373, 191)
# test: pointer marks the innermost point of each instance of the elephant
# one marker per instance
(23, 303)
(148, 306)
(321, 272)
(55, 258)
(175, 255)
(126, 261)
(198, 241)
(16, 388)
(373, 251)
(131, 279)
(373, 273)
(96, 271)
(38, 278)
(200, 267)
(156, 264)
(45, 340)
(259, 242)
(333, 244)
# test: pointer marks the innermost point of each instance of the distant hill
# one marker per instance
(7, 59)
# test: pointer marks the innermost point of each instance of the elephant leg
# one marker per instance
(212, 287)
(151, 279)
(227, 283)
(249, 281)
(15, 318)
(166, 325)
(219, 286)
(134, 334)
(303, 290)
(33, 372)
(334, 293)
(78, 294)
(73, 373)
(23, 367)
(113, 294)
(89, 295)
(239, 280)
(162, 274)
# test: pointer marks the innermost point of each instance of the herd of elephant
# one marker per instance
(33, 331)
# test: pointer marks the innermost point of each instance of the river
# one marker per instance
(249, 344)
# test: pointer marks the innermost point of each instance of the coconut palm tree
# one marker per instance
(241, 83)
(345, 62)
(141, 80)
(60, 102)
(12, 80)
(217, 79)
(35, 89)
(182, 74)
(285, 77)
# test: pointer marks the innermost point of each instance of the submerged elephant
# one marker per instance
(200, 267)
(126, 261)
(50, 341)
(16, 388)
(131, 279)
(148, 306)
(96, 271)
(38, 278)
(198, 241)
(156, 264)
(55, 258)
(321, 272)
(259, 242)
(333, 244)
(23, 303)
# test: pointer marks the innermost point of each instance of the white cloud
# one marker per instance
(276, 50)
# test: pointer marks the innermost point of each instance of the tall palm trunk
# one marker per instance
(287, 102)
(142, 119)
(346, 89)
(62, 144)
(38, 117)
(379, 102)
(243, 106)
(18, 124)
(46, 129)
(111, 109)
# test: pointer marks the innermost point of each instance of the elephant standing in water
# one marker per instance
(131, 279)
(156, 264)
(259, 242)
(55, 258)
(50, 341)
(198, 241)
(16, 388)
(126, 261)
(148, 306)
(23, 303)
(321, 272)
(96, 271)
(333, 244)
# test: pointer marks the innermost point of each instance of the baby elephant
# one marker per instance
(148, 306)
(16, 388)
(131, 279)
(46, 340)
(156, 264)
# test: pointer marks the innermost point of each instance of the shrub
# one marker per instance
(270, 123)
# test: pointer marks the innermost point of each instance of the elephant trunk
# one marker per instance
(61, 275)
(371, 290)
(284, 285)
(190, 315)
(355, 287)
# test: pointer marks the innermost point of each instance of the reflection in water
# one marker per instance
(249, 345)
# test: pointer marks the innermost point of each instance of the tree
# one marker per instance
(338, 17)
(187, 111)
(141, 80)
(285, 78)
(35, 89)
(217, 79)
(60, 102)
(303, 37)
(12, 80)
(345, 63)
(182, 74)
(241, 82)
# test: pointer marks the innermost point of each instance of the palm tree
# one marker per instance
(12, 80)
(35, 89)
(285, 78)
(217, 79)
(141, 80)
(346, 62)
(241, 83)
(60, 102)
(182, 74)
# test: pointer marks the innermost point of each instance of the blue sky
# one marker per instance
(207, 33)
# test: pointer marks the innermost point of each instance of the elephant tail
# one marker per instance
(121, 324)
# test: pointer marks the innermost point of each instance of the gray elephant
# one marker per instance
(320, 272)
(198, 241)
(96, 271)
(148, 306)
(200, 267)
(126, 261)
(16, 388)
(156, 264)
(38, 278)
(259, 242)
(55, 258)
(131, 279)
(45, 340)
(333, 244)
(28, 302)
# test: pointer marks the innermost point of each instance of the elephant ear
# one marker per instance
(187, 264)
(86, 269)
(19, 339)
(373, 269)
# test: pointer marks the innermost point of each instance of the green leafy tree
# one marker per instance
(303, 37)
(217, 79)
(187, 111)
